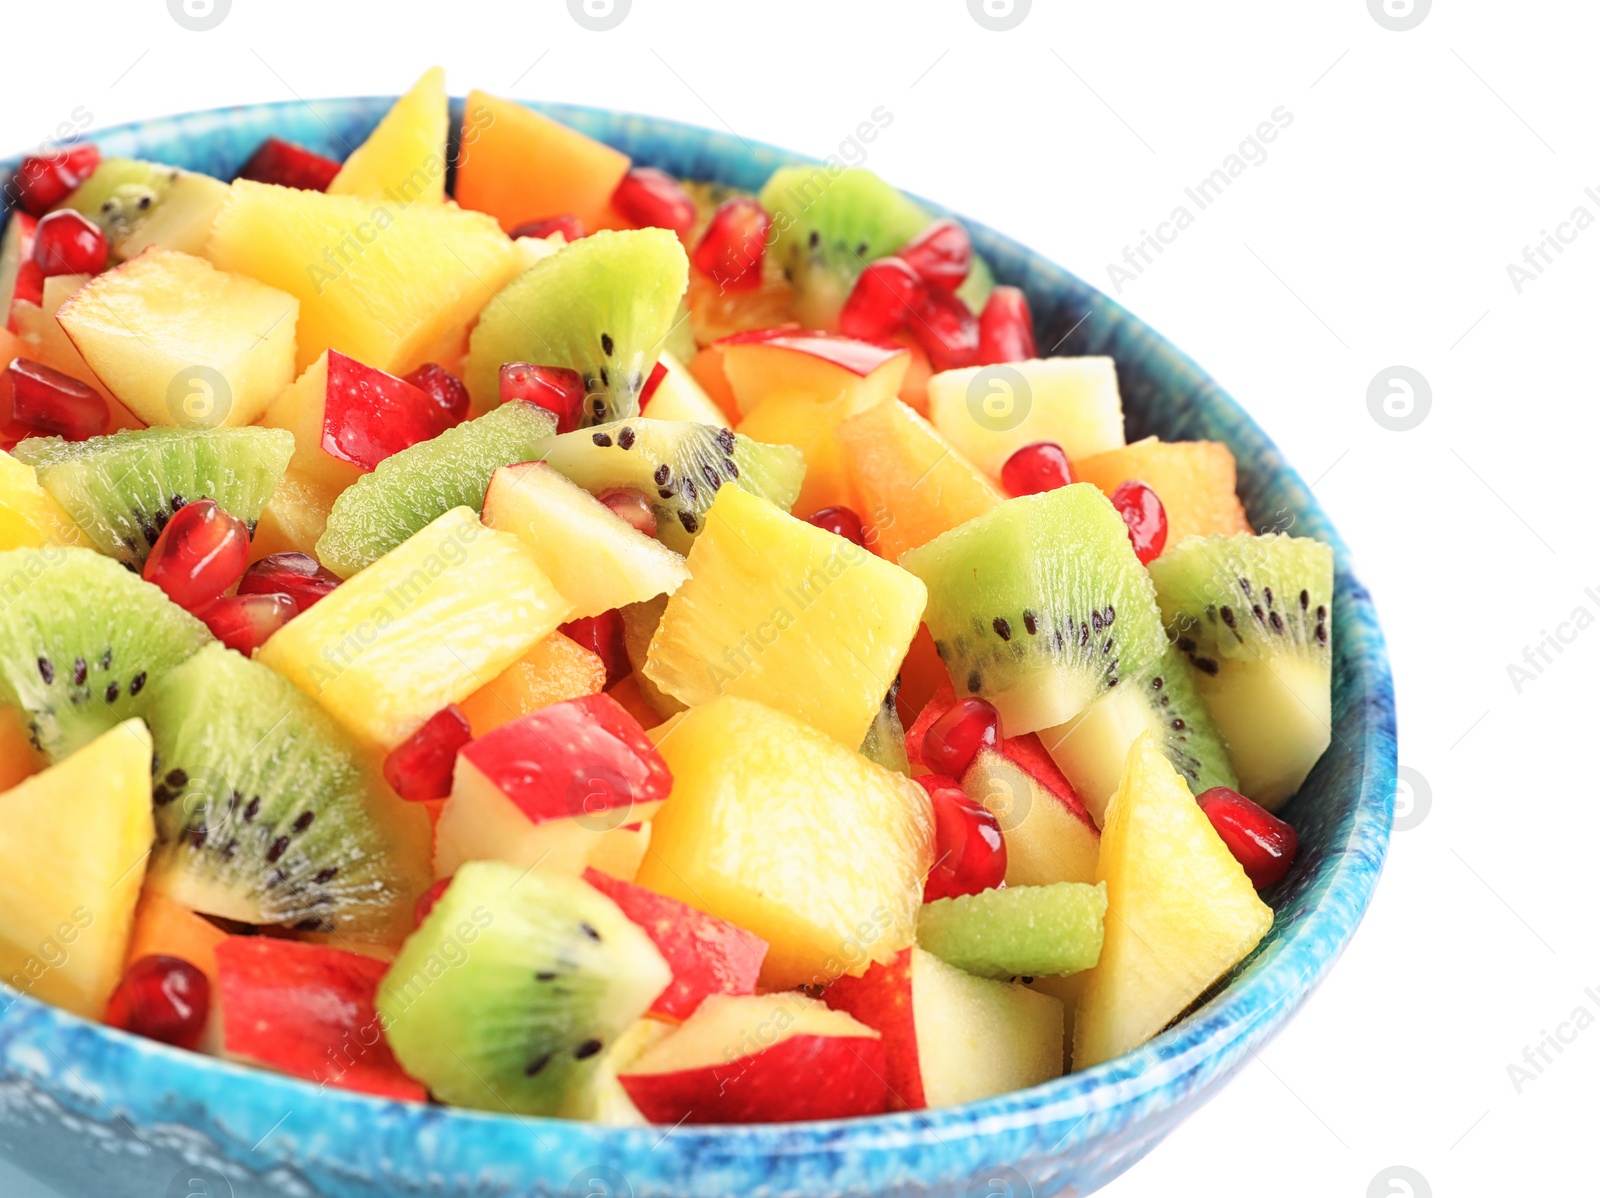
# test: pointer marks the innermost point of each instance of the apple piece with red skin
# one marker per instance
(707, 955)
(772, 1058)
(545, 788)
(21, 280)
(306, 1010)
(828, 368)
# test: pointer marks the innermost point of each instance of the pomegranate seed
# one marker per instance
(422, 767)
(1036, 468)
(69, 243)
(1145, 517)
(842, 522)
(162, 998)
(1005, 330)
(570, 227)
(953, 740)
(658, 373)
(296, 575)
(885, 299)
(430, 899)
(603, 635)
(289, 165)
(969, 854)
(48, 403)
(1261, 842)
(946, 329)
(556, 389)
(941, 254)
(200, 554)
(244, 622)
(734, 244)
(44, 180)
(647, 198)
(633, 506)
(449, 392)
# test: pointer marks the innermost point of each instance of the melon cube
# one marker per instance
(808, 426)
(165, 927)
(1195, 480)
(403, 159)
(555, 669)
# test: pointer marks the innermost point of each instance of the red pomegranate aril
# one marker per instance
(44, 180)
(1261, 842)
(734, 245)
(603, 635)
(886, 298)
(46, 402)
(570, 227)
(969, 854)
(841, 521)
(200, 554)
(449, 392)
(162, 998)
(1036, 468)
(421, 768)
(946, 329)
(430, 899)
(289, 165)
(941, 254)
(296, 575)
(658, 374)
(632, 506)
(953, 740)
(244, 622)
(69, 243)
(556, 389)
(1005, 330)
(1145, 517)
(647, 198)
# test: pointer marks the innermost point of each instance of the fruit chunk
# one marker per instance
(507, 995)
(1047, 931)
(403, 159)
(288, 165)
(420, 770)
(73, 843)
(1180, 911)
(969, 851)
(67, 243)
(29, 515)
(36, 400)
(912, 484)
(161, 998)
(1195, 479)
(807, 426)
(162, 927)
(776, 828)
(742, 1060)
(779, 611)
(135, 327)
(556, 668)
(141, 204)
(295, 516)
(650, 198)
(1040, 606)
(293, 575)
(680, 396)
(733, 248)
(1261, 842)
(823, 367)
(44, 180)
(1049, 836)
(990, 412)
(1034, 468)
(1252, 615)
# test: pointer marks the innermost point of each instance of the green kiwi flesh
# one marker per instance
(1018, 931)
(139, 204)
(885, 742)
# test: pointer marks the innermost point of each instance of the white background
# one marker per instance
(1377, 232)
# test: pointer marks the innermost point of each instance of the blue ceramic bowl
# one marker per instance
(96, 1112)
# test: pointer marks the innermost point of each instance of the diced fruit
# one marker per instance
(421, 769)
(1049, 835)
(922, 674)
(1141, 511)
(706, 366)
(296, 575)
(385, 285)
(784, 613)
(448, 393)
(946, 329)
(38, 401)
(1005, 328)
(953, 740)
(1261, 842)
(246, 622)
(1040, 606)
(419, 628)
(308, 1010)
(44, 340)
(913, 485)
(776, 828)
(73, 843)
(569, 226)
(162, 998)
(557, 389)
(601, 1099)
(1020, 931)
(941, 255)
(825, 368)
(630, 506)
(887, 297)
(679, 396)
(596, 559)
(294, 518)
(988, 414)
(556, 668)
(20, 280)
(948, 1037)
(1195, 480)
(640, 621)
(605, 636)
(1180, 911)
(969, 852)
(1036, 468)
(416, 486)
(288, 165)
(200, 554)
(141, 204)
(403, 159)
(518, 165)
(804, 425)
(268, 813)
(222, 370)
(66, 243)
(733, 248)
(650, 198)
(162, 927)
(1252, 615)
(885, 741)
(44, 180)
(549, 973)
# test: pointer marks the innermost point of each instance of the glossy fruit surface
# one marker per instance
(946, 329)
(446, 390)
(1261, 842)
(556, 389)
(632, 506)
(941, 254)
(885, 299)
(1036, 468)
(294, 574)
(658, 374)
(44, 180)
(201, 552)
(604, 636)
(421, 768)
(162, 998)
(969, 853)
(289, 165)
(1145, 517)
(734, 245)
(45, 402)
(955, 737)
(841, 521)
(68, 243)
(1005, 329)
(244, 622)
(650, 198)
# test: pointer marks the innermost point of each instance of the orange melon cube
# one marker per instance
(822, 367)
(1195, 481)
(808, 426)
(165, 927)
(706, 366)
(914, 387)
(555, 669)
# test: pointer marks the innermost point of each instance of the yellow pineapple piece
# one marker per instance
(29, 517)
(681, 397)
(294, 518)
(403, 159)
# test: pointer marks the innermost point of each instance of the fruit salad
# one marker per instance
(512, 628)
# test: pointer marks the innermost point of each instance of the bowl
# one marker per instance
(93, 1111)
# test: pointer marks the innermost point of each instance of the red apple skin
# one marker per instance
(707, 954)
(881, 999)
(802, 1077)
(368, 415)
(857, 356)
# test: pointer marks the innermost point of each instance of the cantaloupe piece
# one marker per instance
(165, 927)
(555, 669)
(809, 427)
(19, 760)
(1195, 480)
(403, 159)
(706, 366)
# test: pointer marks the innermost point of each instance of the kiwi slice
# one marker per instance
(1019, 931)
(603, 306)
(413, 488)
(885, 742)
(511, 990)
(678, 465)
(268, 813)
(121, 489)
(81, 642)
(139, 204)
(639, 624)
(1253, 614)
(1040, 605)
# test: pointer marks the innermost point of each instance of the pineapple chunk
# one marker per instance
(294, 518)
(773, 827)
(785, 613)
(29, 517)
(681, 397)
(403, 159)
(555, 669)
(422, 627)
(135, 326)
(73, 846)
(1180, 910)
